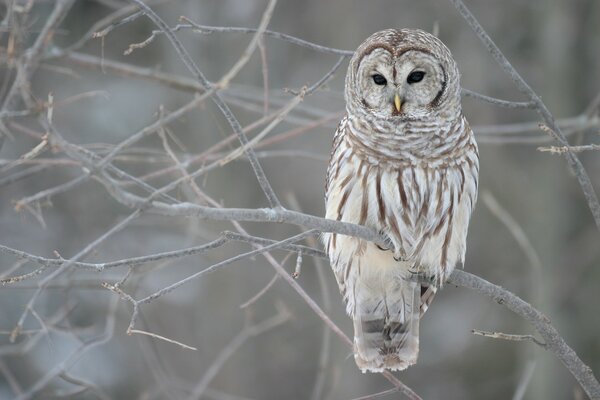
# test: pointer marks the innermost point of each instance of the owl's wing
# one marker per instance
(333, 162)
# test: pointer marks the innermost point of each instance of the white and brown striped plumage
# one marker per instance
(404, 162)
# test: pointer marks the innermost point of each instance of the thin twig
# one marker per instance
(224, 263)
(166, 339)
(252, 46)
(498, 102)
(507, 336)
(168, 255)
(19, 278)
(10, 378)
(523, 241)
(83, 386)
(237, 342)
(265, 73)
(33, 56)
(261, 292)
(276, 35)
(73, 357)
(569, 149)
(524, 381)
(64, 266)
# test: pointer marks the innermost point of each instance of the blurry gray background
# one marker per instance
(553, 44)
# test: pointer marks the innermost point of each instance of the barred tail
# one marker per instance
(386, 328)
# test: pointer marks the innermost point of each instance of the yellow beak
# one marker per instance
(397, 103)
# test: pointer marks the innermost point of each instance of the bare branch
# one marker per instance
(252, 46)
(569, 149)
(554, 342)
(506, 336)
(498, 102)
(83, 386)
(542, 110)
(221, 264)
(237, 342)
(10, 378)
(524, 382)
(217, 99)
(65, 265)
(32, 57)
(519, 234)
(276, 35)
(63, 366)
(261, 215)
(261, 292)
(156, 336)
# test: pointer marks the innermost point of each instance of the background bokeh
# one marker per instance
(552, 43)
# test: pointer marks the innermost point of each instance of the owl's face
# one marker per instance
(401, 74)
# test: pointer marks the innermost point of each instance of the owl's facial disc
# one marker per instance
(375, 82)
(407, 85)
(420, 81)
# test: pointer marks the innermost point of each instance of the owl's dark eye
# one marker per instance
(379, 79)
(415, 76)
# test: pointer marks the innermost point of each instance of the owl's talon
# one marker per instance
(397, 257)
(382, 248)
(388, 243)
(400, 255)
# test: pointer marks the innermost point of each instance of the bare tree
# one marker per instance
(134, 218)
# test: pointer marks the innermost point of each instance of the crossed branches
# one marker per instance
(143, 197)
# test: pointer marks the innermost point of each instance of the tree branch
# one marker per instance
(552, 339)
(216, 97)
(540, 107)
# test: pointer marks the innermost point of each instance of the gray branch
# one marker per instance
(540, 107)
(217, 99)
(552, 339)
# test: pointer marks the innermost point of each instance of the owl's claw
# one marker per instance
(400, 258)
(381, 248)
(398, 254)
(388, 243)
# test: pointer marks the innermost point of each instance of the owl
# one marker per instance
(404, 163)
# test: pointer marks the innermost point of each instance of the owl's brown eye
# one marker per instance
(379, 79)
(415, 76)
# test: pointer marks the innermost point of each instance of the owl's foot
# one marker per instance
(399, 255)
(388, 243)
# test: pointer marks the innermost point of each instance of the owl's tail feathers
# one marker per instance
(386, 329)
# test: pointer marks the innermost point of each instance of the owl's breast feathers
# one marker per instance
(418, 187)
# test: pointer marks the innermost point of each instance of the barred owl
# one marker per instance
(405, 163)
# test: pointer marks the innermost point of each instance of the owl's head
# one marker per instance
(402, 74)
